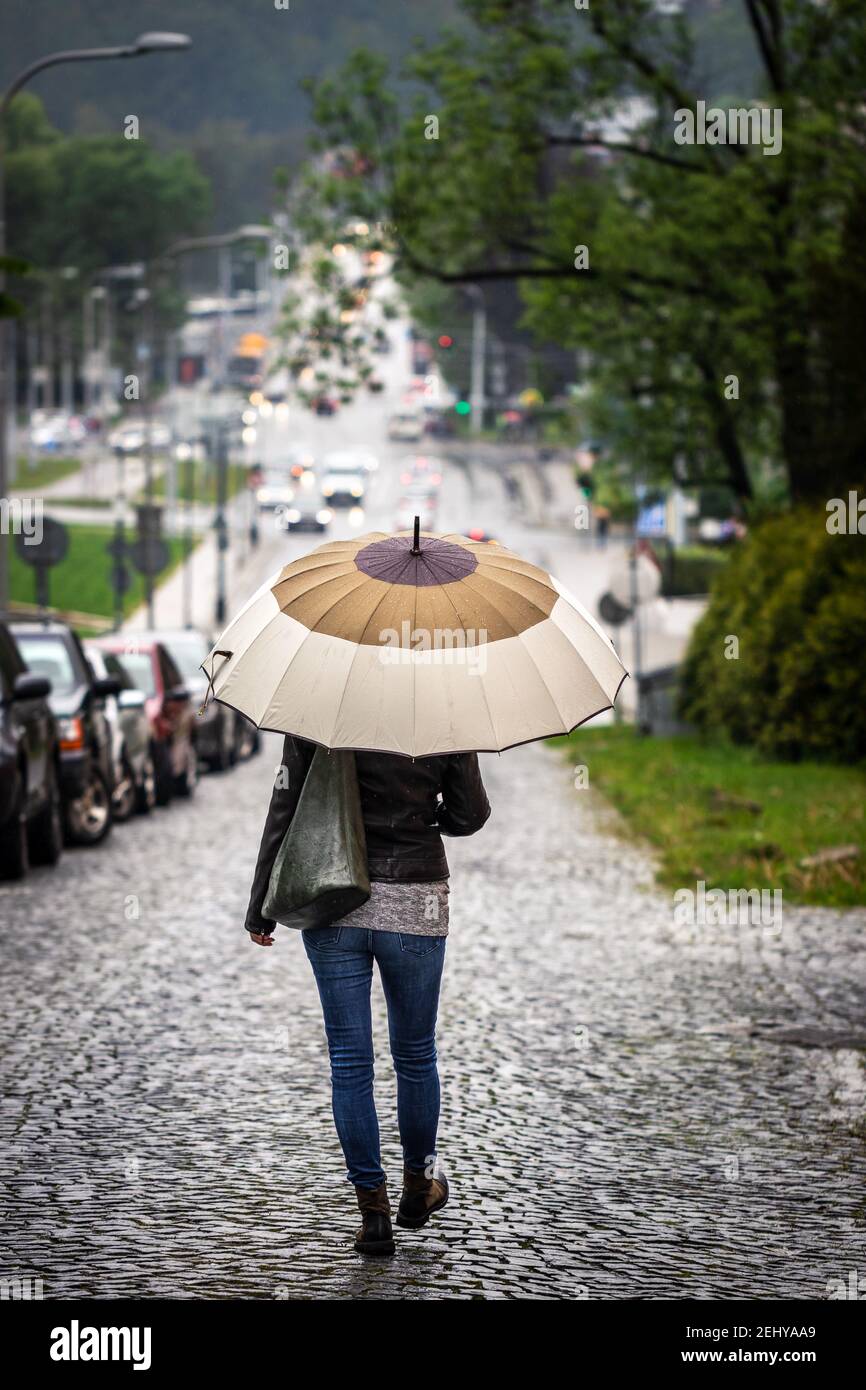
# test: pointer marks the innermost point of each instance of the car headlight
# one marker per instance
(327, 489)
(324, 516)
(357, 490)
(293, 514)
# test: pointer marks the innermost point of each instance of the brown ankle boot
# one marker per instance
(421, 1196)
(375, 1236)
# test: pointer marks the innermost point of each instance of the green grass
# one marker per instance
(672, 791)
(82, 581)
(204, 483)
(48, 469)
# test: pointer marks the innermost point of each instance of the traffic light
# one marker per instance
(463, 407)
(446, 341)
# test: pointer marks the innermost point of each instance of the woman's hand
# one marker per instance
(260, 939)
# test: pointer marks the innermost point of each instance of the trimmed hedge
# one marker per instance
(690, 570)
(795, 598)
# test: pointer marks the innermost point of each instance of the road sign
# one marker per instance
(149, 554)
(148, 520)
(50, 550)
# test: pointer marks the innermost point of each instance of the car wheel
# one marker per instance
(185, 784)
(124, 793)
(46, 829)
(223, 760)
(14, 856)
(163, 773)
(88, 817)
(145, 792)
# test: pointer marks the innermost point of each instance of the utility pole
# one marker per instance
(479, 345)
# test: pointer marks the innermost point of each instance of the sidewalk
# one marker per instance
(626, 1110)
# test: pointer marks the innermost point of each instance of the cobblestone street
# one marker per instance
(628, 1110)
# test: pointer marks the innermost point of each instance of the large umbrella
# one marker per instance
(414, 643)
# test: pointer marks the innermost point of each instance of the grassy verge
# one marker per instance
(82, 581)
(729, 817)
(47, 469)
(204, 484)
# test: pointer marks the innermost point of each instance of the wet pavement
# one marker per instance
(629, 1109)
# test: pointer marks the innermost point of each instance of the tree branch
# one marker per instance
(655, 155)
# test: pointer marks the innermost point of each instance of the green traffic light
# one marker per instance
(463, 407)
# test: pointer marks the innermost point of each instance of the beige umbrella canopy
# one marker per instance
(416, 645)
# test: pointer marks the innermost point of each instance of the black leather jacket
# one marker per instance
(404, 820)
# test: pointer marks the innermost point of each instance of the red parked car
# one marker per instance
(169, 708)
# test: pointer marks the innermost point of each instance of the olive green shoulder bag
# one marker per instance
(320, 872)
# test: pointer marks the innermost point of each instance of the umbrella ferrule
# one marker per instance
(416, 540)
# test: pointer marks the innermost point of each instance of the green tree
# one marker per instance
(705, 262)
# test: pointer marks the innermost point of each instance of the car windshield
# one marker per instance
(188, 652)
(50, 657)
(273, 478)
(140, 668)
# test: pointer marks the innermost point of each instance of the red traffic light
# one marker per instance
(445, 341)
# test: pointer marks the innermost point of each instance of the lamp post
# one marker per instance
(145, 43)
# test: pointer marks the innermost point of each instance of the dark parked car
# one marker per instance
(87, 779)
(31, 822)
(222, 735)
(169, 708)
(135, 788)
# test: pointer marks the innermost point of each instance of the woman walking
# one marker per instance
(407, 805)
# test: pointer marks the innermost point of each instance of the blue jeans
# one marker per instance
(411, 970)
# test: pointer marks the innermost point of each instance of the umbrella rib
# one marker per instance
(483, 688)
(544, 682)
(358, 648)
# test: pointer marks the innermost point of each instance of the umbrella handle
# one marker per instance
(210, 680)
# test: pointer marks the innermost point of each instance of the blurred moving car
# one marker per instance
(423, 507)
(168, 705)
(325, 405)
(77, 699)
(476, 533)
(405, 424)
(31, 820)
(135, 774)
(276, 489)
(307, 514)
(360, 460)
(343, 487)
(218, 731)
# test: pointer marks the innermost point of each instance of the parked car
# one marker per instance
(52, 650)
(135, 773)
(169, 709)
(405, 424)
(217, 731)
(31, 818)
(129, 438)
(53, 431)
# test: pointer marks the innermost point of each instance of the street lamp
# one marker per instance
(157, 42)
